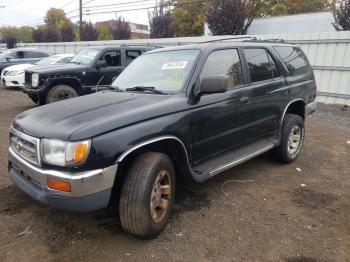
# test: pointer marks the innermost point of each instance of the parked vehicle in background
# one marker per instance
(192, 111)
(90, 67)
(21, 56)
(13, 76)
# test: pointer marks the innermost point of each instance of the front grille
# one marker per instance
(28, 78)
(26, 146)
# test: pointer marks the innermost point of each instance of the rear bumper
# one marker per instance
(310, 108)
(90, 190)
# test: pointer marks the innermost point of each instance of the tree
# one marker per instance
(8, 36)
(89, 32)
(24, 34)
(67, 30)
(104, 33)
(39, 34)
(188, 18)
(160, 22)
(54, 16)
(284, 7)
(121, 29)
(52, 34)
(342, 16)
(231, 17)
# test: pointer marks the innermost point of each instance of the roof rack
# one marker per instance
(248, 39)
(251, 38)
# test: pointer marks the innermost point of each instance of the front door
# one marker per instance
(218, 121)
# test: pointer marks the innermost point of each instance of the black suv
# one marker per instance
(192, 111)
(91, 67)
(17, 56)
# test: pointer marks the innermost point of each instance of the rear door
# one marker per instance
(266, 85)
(219, 121)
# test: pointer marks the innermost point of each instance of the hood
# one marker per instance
(91, 115)
(18, 67)
(57, 68)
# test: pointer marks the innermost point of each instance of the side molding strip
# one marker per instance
(147, 142)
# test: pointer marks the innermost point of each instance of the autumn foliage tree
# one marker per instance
(121, 29)
(88, 32)
(188, 18)
(8, 36)
(231, 17)
(160, 22)
(342, 16)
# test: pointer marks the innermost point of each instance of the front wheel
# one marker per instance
(292, 140)
(147, 195)
(60, 92)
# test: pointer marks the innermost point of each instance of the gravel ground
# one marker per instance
(269, 218)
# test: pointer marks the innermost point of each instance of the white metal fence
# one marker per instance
(329, 54)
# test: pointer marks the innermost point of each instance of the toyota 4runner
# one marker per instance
(192, 111)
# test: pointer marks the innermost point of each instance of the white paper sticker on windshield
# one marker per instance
(174, 65)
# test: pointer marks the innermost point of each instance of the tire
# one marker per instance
(290, 147)
(60, 92)
(140, 196)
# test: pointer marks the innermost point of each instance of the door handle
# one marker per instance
(244, 100)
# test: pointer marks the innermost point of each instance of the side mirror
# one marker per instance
(212, 85)
(101, 64)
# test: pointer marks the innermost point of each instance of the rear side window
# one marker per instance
(224, 63)
(294, 59)
(261, 65)
(34, 54)
(131, 55)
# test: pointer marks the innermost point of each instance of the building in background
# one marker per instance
(138, 31)
(299, 23)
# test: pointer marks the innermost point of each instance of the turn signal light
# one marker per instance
(58, 185)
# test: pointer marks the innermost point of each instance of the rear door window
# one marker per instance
(294, 59)
(224, 63)
(261, 65)
(131, 55)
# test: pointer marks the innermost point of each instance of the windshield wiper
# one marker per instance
(145, 88)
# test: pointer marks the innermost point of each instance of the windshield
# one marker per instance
(164, 71)
(5, 54)
(85, 56)
(48, 61)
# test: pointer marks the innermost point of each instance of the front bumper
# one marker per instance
(90, 190)
(12, 81)
(31, 90)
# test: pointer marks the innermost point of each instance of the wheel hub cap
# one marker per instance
(160, 196)
(294, 140)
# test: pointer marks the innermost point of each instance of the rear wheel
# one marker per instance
(293, 133)
(147, 195)
(60, 92)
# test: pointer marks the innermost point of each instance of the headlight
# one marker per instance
(15, 73)
(35, 80)
(62, 153)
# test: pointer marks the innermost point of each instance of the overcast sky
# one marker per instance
(29, 12)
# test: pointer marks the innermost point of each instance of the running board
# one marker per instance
(227, 160)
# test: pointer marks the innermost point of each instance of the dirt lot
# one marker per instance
(269, 218)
